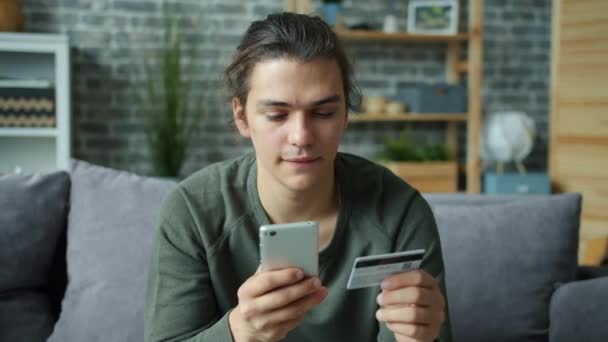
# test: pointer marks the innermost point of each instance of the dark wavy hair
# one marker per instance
(288, 35)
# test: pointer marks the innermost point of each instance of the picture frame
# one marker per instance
(438, 17)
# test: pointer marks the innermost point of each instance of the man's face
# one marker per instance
(295, 115)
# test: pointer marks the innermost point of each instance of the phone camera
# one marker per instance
(273, 233)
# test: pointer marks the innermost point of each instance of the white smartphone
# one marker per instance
(290, 245)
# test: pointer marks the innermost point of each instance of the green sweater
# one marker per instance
(206, 246)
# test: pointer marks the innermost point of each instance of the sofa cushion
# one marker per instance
(578, 311)
(110, 234)
(503, 258)
(32, 220)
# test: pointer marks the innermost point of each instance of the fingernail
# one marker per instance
(385, 284)
(316, 283)
(379, 299)
(379, 315)
(300, 274)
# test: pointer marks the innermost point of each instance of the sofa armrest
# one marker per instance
(590, 272)
(578, 311)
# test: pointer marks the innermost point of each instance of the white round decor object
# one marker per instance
(507, 136)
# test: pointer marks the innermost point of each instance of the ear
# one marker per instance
(240, 120)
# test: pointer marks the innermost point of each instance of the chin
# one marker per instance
(300, 183)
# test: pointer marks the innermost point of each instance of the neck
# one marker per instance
(283, 205)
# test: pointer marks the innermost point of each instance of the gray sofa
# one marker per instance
(74, 251)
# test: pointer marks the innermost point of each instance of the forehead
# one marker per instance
(288, 78)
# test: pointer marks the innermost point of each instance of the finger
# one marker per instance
(412, 295)
(297, 308)
(281, 297)
(263, 282)
(409, 278)
(407, 314)
(412, 331)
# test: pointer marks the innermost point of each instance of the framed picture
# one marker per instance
(433, 17)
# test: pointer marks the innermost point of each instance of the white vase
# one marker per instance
(390, 24)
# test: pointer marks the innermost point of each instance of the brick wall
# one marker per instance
(109, 38)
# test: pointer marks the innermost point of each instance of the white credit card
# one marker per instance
(371, 270)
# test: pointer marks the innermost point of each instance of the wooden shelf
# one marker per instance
(398, 36)
(457, 69)
(429, 117)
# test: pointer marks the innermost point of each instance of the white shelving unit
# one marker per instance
(40, 56)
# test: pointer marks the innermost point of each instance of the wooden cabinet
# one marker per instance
(427, 176)
(43, 57)
(455, 68)
(578, 151)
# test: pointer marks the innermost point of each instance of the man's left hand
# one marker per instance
(412, 306)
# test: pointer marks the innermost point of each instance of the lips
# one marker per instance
(302, 159)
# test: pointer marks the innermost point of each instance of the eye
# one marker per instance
(324, 115)
(275, 116)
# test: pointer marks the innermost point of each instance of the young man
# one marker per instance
(291, 84)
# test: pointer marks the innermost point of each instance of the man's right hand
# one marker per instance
(272, 303)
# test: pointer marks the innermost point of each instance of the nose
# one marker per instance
(300, 132)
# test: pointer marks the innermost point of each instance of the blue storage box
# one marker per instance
(433, 98)
(515, 183)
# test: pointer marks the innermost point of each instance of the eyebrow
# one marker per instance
(273, 103)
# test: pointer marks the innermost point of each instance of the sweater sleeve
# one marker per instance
(419, 231)
(180, 300)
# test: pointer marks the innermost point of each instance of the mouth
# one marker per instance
(302, 160)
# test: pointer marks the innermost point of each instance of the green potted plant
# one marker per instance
(171, 109)
(426, 167)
